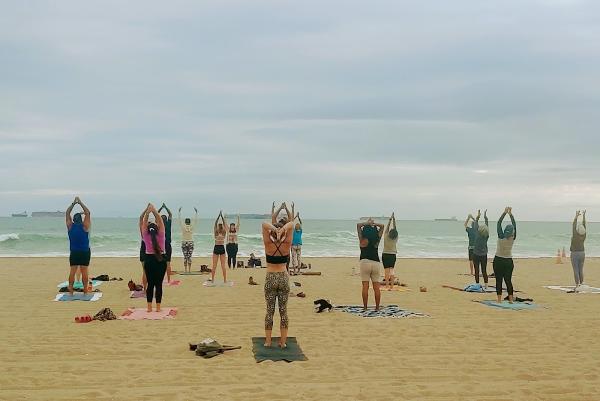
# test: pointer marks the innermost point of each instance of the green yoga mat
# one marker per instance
(273, 353)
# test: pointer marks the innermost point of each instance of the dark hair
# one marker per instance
(371, 234)
(393, 234)
(153, 230)
(77, 219)
(188, 221)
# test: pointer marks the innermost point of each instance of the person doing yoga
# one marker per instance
(369, 236)
(471, 235)
(143, 250)
(187, 238)
(155, 262)
(232, 243)
(78, 229)
(219, 233)
(296, 251)
(503, 262)
(167, 220)
(277, 239)
(578, 248)
(480, 247)
(388, 256)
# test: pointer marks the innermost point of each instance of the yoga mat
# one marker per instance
(490, 289)
(310, 273)
(390, 311)
(507, 305)
(78, 296)
(142, 313)
(172, 283)
(217, 284)
(78, 285)
(191, 273)
(583, 289)
(138, 294)
(273, 353)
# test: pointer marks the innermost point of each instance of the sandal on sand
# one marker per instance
(301, 295)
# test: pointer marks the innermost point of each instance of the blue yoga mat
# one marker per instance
(507, 305)
(65, 297)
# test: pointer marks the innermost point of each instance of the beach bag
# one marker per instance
(104, 315)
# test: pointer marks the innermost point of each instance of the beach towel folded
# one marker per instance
(290, 353)
(141, 314)
(583, 289)
(390, 311)
(508, 305)
(209, 283)
(78, 285)
(138, 294)
(92, 297)
(478, 288)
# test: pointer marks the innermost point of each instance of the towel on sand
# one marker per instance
(583, 289)
(171, 283)
(78, 285)
(507, 305)
(138, 294)
(78, 296)
(141, 314)
(209, 283)
(390, 311)
(195, 273)
(273, 353)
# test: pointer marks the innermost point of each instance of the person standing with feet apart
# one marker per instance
(503, 262)
(187, 239)
(578, 249)
(232, 243)
(78, 229)
(471, 233)
(480, 248)
(143, 250)
(369, 236)
(296, 251)
(167, 220)
(219, 249)
(277, 239)
(155, 263)
(388, 257)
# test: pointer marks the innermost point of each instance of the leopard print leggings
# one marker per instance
(277, 287)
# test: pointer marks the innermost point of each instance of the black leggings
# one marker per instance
(477, 262)
(232, 250)
(503, 269)
(155, 274)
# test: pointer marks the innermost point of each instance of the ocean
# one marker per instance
(119, 237)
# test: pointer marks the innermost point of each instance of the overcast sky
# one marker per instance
(350, 108)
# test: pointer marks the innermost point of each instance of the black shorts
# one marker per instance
(470, 253)
(219, 250)
(80, 258)
(388, 260)
(168, 251)
(142, 252)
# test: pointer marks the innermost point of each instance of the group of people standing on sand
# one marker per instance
(503, 264)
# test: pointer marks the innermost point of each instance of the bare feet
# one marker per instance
(267, 343)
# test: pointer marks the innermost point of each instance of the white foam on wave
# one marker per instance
(9, 237)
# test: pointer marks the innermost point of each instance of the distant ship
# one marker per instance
(48, 214)
(23, 214)
(453, 218)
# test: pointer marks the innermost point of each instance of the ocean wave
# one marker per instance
(9, 237)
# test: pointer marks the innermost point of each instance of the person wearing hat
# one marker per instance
(503, 262)
(577, 248)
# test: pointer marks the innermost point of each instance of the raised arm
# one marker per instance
(584, 218)
(237, 226)
(389, 226)
(68, 219)
(394, 220)
(195, 222)
(179, 218)
(144, 226)
(499, 225)
(514, 223)
(141, 223)
(168, 211)
(291, 215)
(216, 222)
(299, 219)
(266, 230)
(87, 221)
(469, 217)
(275, 213)
(359, 227)
(487, 222)
(381, 229)
(575, 222)
(158, 219)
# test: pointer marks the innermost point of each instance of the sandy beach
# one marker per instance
(465, 351)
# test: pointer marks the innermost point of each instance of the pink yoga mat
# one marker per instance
(141, 314)
(138, 294)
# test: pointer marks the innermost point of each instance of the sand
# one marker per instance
(465, 351)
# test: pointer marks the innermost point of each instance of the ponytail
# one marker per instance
(153, 230)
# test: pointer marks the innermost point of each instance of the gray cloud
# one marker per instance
(349, 108)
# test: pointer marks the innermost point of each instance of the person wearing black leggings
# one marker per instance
(480, 247)
(232, 243)
(503, 262)
(155, 261)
